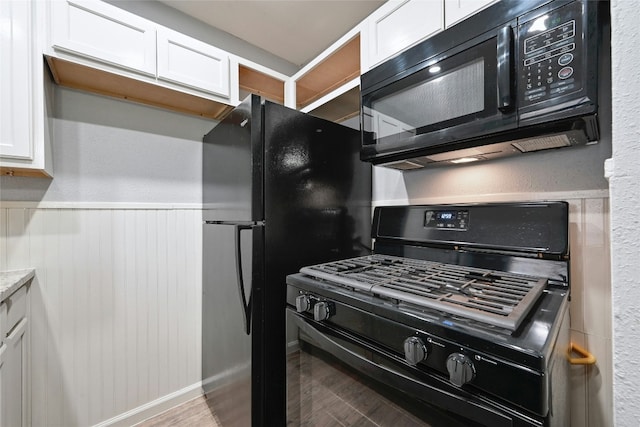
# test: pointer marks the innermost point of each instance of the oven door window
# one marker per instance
(452, 99)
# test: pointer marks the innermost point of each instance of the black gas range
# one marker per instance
(464, 307)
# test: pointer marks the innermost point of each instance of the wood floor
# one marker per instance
(321, 393)
(194, 413)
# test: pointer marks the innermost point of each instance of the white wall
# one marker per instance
(107, 150)
(625, 225)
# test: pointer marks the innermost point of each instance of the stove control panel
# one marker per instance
(323, 310)
(461, 369)
(303, 303)
(447, 219)
(415, 350)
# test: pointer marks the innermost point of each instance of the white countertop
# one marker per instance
(10, 281)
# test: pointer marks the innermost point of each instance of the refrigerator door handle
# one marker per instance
(246, 305)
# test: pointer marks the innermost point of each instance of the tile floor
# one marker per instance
(321, 393)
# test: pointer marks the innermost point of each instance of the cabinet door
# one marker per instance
(15, 80)
(458, 10)
(13, 377)
(192, 63)
(398, 25)
(100, 31)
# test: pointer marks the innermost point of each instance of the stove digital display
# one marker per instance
(447, 219)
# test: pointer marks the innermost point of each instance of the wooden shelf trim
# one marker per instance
(34, 173)
(261, 84)
(76, 76)
(341, 108)
(339, 68)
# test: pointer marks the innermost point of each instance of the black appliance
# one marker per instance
(462, 307)
(518, 77)
(274, 180)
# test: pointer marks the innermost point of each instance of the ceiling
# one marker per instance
(296, 31)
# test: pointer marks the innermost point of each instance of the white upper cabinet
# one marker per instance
(397, 25)
(458, 10)
(192, 63)
(105, 33)
(95, 46)
(24, 97)
(15, 105)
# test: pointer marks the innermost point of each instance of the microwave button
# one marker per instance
(561, 89)
(562, 83)
(565, 59)
(565, 73)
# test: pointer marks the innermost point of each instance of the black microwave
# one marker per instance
(518, 77)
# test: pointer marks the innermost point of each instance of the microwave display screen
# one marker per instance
(457, 92)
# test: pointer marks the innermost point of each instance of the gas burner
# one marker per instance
(496, 298)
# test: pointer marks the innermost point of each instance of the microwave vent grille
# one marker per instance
(404, 165)
(542, 143)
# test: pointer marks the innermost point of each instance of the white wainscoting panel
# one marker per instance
(115, 307)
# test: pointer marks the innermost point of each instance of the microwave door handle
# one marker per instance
(505, 69)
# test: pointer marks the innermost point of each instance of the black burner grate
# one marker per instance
(494, 297)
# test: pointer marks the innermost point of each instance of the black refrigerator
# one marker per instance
(281, 190)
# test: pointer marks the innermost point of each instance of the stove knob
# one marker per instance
(461, 369)
(322, 310)
(303, 303)
(414, 350)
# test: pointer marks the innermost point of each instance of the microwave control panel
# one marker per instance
(551, 54)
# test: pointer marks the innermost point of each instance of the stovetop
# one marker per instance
(493, 277)
(493, 297)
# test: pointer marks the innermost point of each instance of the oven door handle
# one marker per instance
(412, 386)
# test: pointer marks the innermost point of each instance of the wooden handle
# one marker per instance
(586, 359)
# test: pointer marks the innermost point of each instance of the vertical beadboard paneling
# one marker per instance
(68, 228)
(141, 310)
(119, 295)
(35, 229)
(115, 306)
(82, 262)
(3, 239)
(105, 295)
(164, 340)
(174, 332)
(17, 239)
(132, 308)
(52, 413)
(152, 291)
